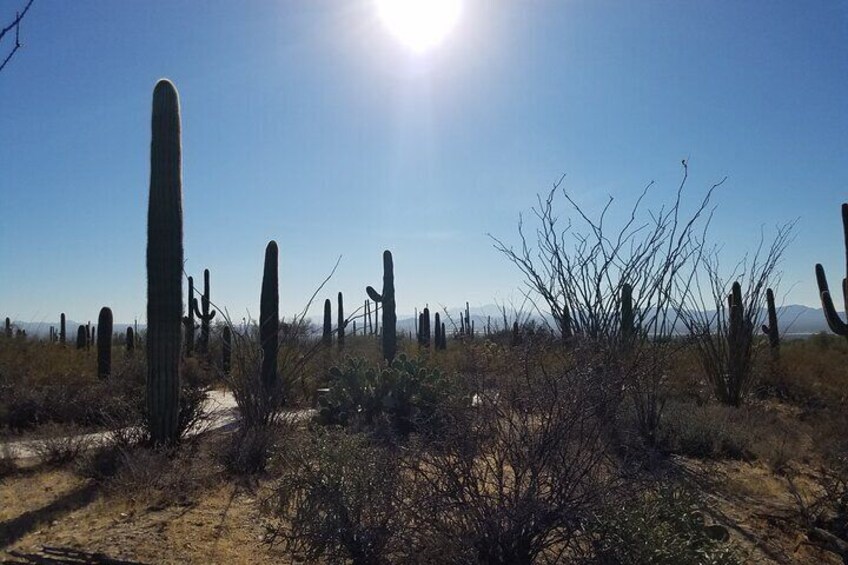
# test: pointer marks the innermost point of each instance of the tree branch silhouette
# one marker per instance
(16, 26)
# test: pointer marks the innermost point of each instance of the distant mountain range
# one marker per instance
(795, 320)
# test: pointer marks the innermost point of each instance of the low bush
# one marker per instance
(660, 526)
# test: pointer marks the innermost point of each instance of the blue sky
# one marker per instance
(309, 123)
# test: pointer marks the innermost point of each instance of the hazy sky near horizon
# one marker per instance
(307, 122)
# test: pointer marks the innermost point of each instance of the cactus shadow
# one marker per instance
(14, 529)
(65, 556)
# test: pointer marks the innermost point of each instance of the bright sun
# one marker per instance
(419, 24)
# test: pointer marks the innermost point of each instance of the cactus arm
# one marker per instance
(836, 325)
(766, 329)
(373, 294)
(195, 308)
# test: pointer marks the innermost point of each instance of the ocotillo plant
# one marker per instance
(771, 329)
(130, 340)
(188, 321)
(387, 298)
(164, 267)
(62, 328)
(226, 350)
(327, 336)
(341, 319)
(835, 323)
(204, 314)
(269, 318)
(104, 343)
(81, 337)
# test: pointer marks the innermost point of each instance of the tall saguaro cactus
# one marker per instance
(8, 329)
(327, 335)
(269, 317)
(341, 319)
(739, 342)
(204, 313)
(62, 328)
(104, 343)
(387, 298)
(164, 266)
(226, 350)
(771, 330)
(425, 327)
(81, 339)
(835, 323)
(188, 321)
(130, 341)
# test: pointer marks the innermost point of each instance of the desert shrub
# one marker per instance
(660, 526)
(62, 445)
(7, 461)
(337, 500)
(517, 483)
(395, 401)
(248, 449)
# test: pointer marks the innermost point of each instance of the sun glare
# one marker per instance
(419, 24)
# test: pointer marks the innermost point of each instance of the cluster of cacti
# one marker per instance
(771, 329)
(387, 299)
(269, 317)
(205, 314)
(164, 266)
(188, 321)
(104, 343)
(835, 323)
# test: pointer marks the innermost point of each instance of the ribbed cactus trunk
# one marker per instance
(387, 299)
(205, 314)
(628, 329)
(62, 328)
(188, 321)
(739, 342)
(444, 337)
(104, 343)
(226, 350)
(772, 330)
(130, 341)
(438, 333)
(327, 335)
(341, 323)
(425, 329)
(835, 323)
(81, 337)
(164, 267)
(269, 318)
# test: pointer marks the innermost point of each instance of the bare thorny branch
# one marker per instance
(16, 26)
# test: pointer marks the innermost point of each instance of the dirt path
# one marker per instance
(221, 411)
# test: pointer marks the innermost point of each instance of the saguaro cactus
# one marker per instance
(62, 328)
(226, 350)
(425, 327)
(438, 331)
(188, 321)
(341, 319)
(130, 340)
(164, 266)
(387, 298)
(205, 315)
(771, 329)
(327, 336)
(739, 342)
(269, 317)
(835, 323)
(8, 328)
(81, 339)
(628, 328)
(104, 343)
